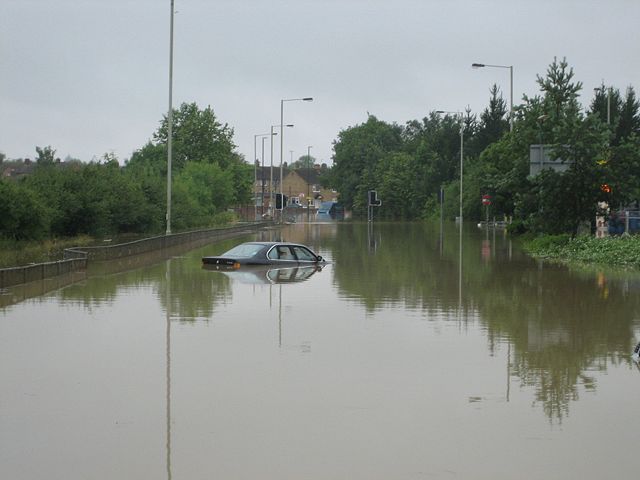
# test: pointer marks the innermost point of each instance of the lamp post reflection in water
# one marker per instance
(168, 349)
(460, 272)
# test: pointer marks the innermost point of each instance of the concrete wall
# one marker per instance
(76, 259)
(40, 271)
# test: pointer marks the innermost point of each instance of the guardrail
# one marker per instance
(77, 258)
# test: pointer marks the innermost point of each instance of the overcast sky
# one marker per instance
(91, 76)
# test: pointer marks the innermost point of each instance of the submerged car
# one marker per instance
(264, 253)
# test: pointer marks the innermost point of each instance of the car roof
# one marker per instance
(270, 244)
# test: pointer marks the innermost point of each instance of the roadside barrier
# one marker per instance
(77, 258)
(40, 271)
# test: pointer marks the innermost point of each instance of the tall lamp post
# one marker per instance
(305, 99)
(255, 170)
(510, 67)
(263, 180)
(459, 115)
(308, 180)
(170, 121)
(271, 189)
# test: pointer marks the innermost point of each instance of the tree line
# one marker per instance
(408, 164)
(64, 199)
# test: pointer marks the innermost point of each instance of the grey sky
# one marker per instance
(91, 76)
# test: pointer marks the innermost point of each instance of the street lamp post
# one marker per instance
(305, 99)
(170, 122)
(308, 180)
(255, 170)
(459, 115)
(271, 189)
(510, 67)
(262, 182)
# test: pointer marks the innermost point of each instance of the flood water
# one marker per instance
(410, 355)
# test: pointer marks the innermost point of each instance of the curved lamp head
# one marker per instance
(477, 65)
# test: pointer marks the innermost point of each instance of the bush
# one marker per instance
(22, 214)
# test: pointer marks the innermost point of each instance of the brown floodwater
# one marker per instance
(410, 355)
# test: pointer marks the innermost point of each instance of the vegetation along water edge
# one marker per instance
(615, 251)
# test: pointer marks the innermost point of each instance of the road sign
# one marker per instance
(486, 199)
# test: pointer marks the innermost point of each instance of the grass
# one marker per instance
(620, 251)
(17, 253)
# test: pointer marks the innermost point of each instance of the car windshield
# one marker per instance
(244, 250)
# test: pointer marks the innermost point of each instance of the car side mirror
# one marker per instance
(319, 258)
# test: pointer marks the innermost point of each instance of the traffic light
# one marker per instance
(281, 201)
(374, 201)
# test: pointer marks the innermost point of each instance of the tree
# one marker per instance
(493, 122)
(46, 155)
(197, 136)
(560, 92)
(396, 181)
(22, 214)
(201, 191)
(356, 155)
(629, 122)
(305, 161)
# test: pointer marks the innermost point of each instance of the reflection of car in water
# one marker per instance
(265, 253)
(331, 210)
(267, 274)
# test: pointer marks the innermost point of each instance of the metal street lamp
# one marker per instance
(305, 99)
(262, 182)
(170, 122)
(308, 180)
(510, 67)
(459, 115)
(255, 170)
(271, 189)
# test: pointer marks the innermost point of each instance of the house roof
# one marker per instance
(309, 175)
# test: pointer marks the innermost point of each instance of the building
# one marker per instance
(302, 187)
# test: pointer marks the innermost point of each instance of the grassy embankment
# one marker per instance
(17, 253)
(619, 251)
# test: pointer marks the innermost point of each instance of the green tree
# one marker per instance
(629, 122)
(22, 214)
(304, 162)
(356, 155)
(396, 183)
(201, 191)
(493, 122)
(559, 89)
(46, 155)
(197, 136)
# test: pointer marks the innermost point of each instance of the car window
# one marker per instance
(244, 250)
(304, 255)
(284, 253)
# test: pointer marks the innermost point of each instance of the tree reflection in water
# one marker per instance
(561, 323)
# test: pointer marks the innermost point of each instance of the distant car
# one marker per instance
(332, 210)
(264, 253)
